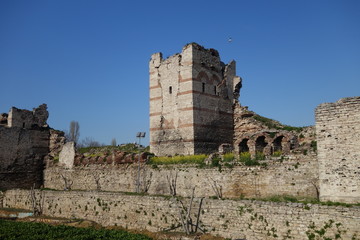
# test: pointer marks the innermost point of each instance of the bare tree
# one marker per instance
(186, 220)
(96, 176)
(146, 181)
(113, 142)
(172, 183)
(37, 201)
(216, 187)
(89, 142)
(315, 183)
(74, 132)
(67, 182)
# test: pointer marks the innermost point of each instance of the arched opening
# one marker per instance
(260, 144)
(278, 144)
(243, 146)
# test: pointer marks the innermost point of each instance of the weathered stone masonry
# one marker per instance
(231, 219)
(191, 101)
(338, 140)
(25, 141)
(294, 177)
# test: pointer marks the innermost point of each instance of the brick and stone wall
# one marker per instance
(22, 152)
(338, 143)
(243, 219)
(191, 99)
(28, 119)
(296, 177)
(25, 142)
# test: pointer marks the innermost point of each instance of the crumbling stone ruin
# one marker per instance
(191, 101)
(338, 137)
(25, 141)
(194, 108)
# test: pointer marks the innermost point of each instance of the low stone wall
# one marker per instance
(296, 176)
(227, 218)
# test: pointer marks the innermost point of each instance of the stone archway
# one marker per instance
(277, 143)
(243, 146)
(260, 144)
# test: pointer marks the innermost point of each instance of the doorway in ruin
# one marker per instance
(243, 146)
(260, 144)
(277, 144)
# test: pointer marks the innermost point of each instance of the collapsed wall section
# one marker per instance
(338, 143)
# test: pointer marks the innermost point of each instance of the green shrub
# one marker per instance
(313, 145)
(259, 156)
(228, 157)
(277, 154)
(244, 156)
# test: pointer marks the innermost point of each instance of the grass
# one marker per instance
(272, 124)
(277, 154)
(288, 198)
(36, 231)
(245, 158)
(129, 148)
(228, 157)
(192, 159)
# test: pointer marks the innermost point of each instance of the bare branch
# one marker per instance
(217, 188)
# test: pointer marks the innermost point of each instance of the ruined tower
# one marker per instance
(191, 101)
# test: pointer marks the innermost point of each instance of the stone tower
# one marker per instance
(191, 101)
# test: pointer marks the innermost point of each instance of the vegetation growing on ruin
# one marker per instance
(33, 231)
(247, 160)
(273, 124)
(129, 148)
(228, 157)
(191, 159)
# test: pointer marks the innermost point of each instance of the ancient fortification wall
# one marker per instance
(21, 157)
(25, 142)
(28, 119)
(338, 138)
(227, 218)
(191, 99)
(296, 177)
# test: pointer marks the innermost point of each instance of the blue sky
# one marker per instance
(88, 60)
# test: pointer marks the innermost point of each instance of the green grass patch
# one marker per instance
(277, 154)
(36, 231)
(228, 157)
(129, 148)
(191, 159)
(272, 124)
(245, 158)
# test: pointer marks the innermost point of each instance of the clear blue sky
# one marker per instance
(88, 60)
